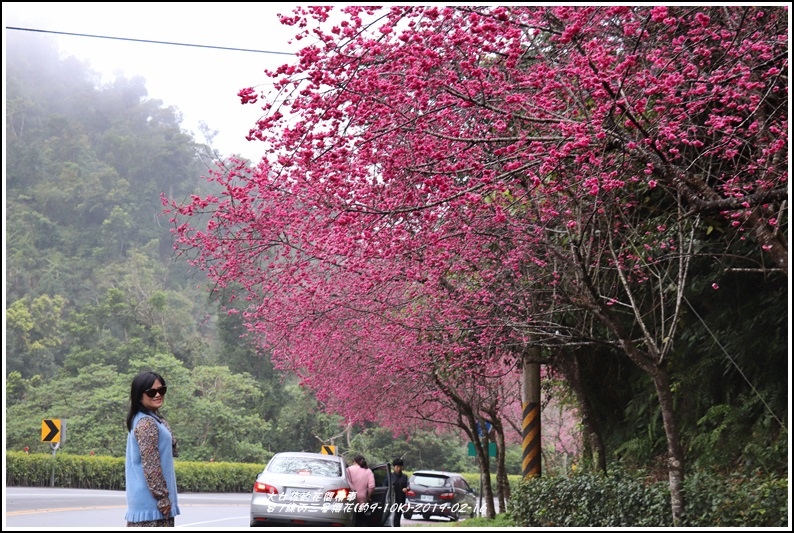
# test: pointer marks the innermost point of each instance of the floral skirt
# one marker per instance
(165, 522)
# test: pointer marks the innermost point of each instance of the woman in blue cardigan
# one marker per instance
(149, 467)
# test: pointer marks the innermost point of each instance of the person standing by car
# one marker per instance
(362, 480)
(399, 483)
(151, 448)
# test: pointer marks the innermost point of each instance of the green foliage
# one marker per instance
(64, 470)
(222, 424)
(424, 450)
(474, 478)
(102, 472)
(28, 470)
(500, 520)
(216, 477)
(34, 334)
(92, 472)
(595, 500)
(588, 500)
(84, 178)
(513, 457)
(737, 500)
(208, 409)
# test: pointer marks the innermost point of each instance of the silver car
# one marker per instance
(312, 489)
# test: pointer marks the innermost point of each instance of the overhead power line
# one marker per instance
(150, 41)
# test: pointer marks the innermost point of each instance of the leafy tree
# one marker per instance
(301, 424)
(421, 450)
(209, 409)
(220, 422)
(34, 332)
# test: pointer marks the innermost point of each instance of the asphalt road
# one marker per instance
(56, 508)
(52, 509)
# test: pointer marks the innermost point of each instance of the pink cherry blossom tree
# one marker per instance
(443, 187)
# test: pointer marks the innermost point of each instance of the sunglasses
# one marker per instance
(151, 393)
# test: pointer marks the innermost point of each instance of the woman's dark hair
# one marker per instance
(140, 383)
(360, 461)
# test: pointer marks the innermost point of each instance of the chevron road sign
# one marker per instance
(51, 430)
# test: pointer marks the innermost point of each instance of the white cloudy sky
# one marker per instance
(201, 82)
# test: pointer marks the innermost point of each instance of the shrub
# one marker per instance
(103, 472)
(620, 500)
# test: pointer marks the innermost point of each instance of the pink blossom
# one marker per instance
(247, 95)
(658, 13)
(425, 160)
(702, 19)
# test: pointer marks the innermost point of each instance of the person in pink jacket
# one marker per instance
(362, 480)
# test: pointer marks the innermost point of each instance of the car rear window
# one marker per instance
(430, 481)
(305, 466)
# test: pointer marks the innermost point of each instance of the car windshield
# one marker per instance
(307, 466)
(430, 481)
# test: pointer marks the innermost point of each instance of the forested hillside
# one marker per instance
(95, 292)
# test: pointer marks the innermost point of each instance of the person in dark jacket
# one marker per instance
(399, 483)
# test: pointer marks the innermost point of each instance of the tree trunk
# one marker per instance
(502, 483)
(675, 453)
(572, 371)
(485, 472)
(661, 382)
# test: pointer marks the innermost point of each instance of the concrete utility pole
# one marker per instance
(530, 407)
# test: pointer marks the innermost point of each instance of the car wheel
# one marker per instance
(426, 516)
(454, 517)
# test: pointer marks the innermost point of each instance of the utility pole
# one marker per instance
(530, 408)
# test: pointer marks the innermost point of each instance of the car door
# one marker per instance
(383, 496)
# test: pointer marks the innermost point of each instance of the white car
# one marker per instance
(312, 489)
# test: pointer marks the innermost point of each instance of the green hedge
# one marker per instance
(473, 479)
(100, 472)
(593, 500)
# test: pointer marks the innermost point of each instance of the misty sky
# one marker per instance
(201, 82)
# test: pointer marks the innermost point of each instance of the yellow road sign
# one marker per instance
(328, 450)
(51, 430)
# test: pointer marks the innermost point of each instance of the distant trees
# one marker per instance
(34, 334)
(94, 291)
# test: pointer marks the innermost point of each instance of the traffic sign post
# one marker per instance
(473, 453)
(53, 431)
